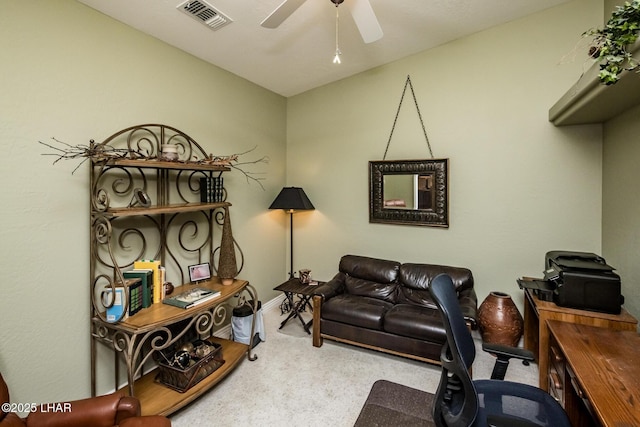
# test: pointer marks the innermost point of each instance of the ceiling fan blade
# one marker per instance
(365, 19)
(281, 13)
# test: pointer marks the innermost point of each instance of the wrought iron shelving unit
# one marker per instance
(177, 229)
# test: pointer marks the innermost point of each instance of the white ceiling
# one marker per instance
(297, 56)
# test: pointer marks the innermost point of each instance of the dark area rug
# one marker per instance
(391, 405)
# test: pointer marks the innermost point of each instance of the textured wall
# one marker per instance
(518, 185)
(621, 203)
(72, 73)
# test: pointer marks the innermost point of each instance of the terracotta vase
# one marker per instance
(499, 319)
(227, 265)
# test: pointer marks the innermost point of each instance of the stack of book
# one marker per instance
(191, 298)
(146, 278)
(157, 283)
(211, 189)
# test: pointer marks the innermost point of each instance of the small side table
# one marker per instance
(294, 287)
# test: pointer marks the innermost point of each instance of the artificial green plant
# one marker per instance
(610, 44)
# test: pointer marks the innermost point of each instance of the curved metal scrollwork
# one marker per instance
(146, 144)
(144, 141)
(176, 228)
(219, 315)
(102, 230)
(130, 242)
(118, 182)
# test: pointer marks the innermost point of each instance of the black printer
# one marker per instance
(583, 280)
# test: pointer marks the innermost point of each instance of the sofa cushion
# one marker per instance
(416, 278)
(409, 320)
(356, 310)
(366, 288)
(370, 277)
(373, 269)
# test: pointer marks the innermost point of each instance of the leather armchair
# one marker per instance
(112, 410)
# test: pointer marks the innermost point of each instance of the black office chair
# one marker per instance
(460, 401)
(503, 355)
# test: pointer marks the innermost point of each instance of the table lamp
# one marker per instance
(292, 199)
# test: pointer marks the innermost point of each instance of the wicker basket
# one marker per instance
(182, 380)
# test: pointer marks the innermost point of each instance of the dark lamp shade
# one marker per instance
(292, 198)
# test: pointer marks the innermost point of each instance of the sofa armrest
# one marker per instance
(469, 305)
(331, 288)
(96, 411)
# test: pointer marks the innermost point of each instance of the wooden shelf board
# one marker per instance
(623, 317)
(161, 164)
(157, 399)
(156, 210)
(159, 314)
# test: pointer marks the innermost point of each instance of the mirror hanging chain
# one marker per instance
(408, 83)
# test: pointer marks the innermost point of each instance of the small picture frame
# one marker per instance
(199, 272)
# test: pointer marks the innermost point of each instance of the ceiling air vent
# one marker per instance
(205, 13)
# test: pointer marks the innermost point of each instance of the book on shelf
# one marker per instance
(135, 296)
(116, 312)
(146, 277)
(154, 265)
(211, 189)
(191, 298)
(116, 306)
(163, 278)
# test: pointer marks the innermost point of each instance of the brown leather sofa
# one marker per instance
(112, 410)
(386, 306)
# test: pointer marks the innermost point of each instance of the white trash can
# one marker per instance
(241, 325)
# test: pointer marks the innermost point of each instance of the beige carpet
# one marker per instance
(293, 383)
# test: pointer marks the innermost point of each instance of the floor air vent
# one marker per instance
(205, 13)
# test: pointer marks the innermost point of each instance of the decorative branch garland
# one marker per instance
(106, 152)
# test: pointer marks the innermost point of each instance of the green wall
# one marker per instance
(72, 73)
(621, 203)
(518, 186)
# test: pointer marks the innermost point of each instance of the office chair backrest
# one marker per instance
(456, 400)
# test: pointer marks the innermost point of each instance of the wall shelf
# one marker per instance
(163, 209)
(192, 165)
(589, 101)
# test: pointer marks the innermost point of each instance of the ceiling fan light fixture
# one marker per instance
(336, 58)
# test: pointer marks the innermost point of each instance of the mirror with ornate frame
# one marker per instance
(409, 192)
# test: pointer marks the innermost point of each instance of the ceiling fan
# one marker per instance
(361, 11)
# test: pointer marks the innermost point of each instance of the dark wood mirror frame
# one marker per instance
(434, 212)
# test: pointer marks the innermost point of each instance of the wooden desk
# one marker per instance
(598, 371)
(536, 331)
